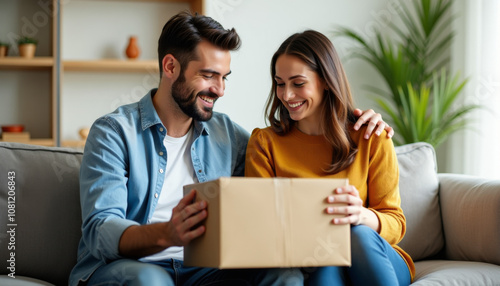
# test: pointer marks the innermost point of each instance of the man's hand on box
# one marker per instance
(185, 216)
(143, 240)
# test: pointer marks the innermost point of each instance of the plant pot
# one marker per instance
(27, 50)
(4, 50)
(132, 50)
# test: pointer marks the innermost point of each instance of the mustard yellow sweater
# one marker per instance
(374, 172)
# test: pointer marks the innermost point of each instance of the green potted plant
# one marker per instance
(422, 92)
(4, 49)
(27, 46)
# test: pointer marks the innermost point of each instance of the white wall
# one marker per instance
(475, 151)
(263, 25)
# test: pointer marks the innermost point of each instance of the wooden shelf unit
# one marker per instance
(56, 66)
(40, 122)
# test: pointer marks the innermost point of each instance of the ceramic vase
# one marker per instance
(132, 50)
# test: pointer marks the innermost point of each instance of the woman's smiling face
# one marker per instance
(301, 91)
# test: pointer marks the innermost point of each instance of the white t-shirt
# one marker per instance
(178, 172)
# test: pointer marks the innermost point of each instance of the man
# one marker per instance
(136, 160)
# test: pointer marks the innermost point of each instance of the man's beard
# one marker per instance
(187, 99)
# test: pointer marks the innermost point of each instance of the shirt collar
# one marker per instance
(149, 116)
(201, 127)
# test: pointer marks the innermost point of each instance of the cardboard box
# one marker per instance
(268, 222)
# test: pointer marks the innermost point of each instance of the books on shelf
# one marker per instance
(16, 136)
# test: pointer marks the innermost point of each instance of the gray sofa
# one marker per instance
(453, 221)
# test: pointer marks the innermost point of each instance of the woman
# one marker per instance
(310, 110)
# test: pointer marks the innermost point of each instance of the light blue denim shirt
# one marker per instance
(122, 173)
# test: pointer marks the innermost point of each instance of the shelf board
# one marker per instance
(43, 142)
(112, 65)
(49, 142)
(166, 1)
(79, 144)
(28, 64)
(196, 5)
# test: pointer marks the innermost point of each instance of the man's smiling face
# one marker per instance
(203, 81)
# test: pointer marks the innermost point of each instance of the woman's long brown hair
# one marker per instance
(317, 51)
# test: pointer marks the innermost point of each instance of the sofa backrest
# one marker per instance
(39, 211)
(419, 188)
(470, 206)
(46, 216)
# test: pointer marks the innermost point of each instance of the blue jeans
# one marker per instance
(374, 262)
(172, 272)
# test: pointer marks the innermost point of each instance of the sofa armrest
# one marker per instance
(470, 209)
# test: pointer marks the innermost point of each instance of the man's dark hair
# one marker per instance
(183, 32)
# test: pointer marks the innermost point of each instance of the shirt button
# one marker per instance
(199, 171)
(156, 195)
(161, 129)
(161, 171)
(161, 153)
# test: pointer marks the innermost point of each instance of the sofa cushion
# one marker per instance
(451, 273)
(44, 203)
(471, 217)
(22, 281)
(419, 187)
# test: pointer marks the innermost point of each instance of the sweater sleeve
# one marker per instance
(383, 190)
(258, 160)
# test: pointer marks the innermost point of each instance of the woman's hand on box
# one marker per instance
(348, 206)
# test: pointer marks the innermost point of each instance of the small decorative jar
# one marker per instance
(132, 50)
